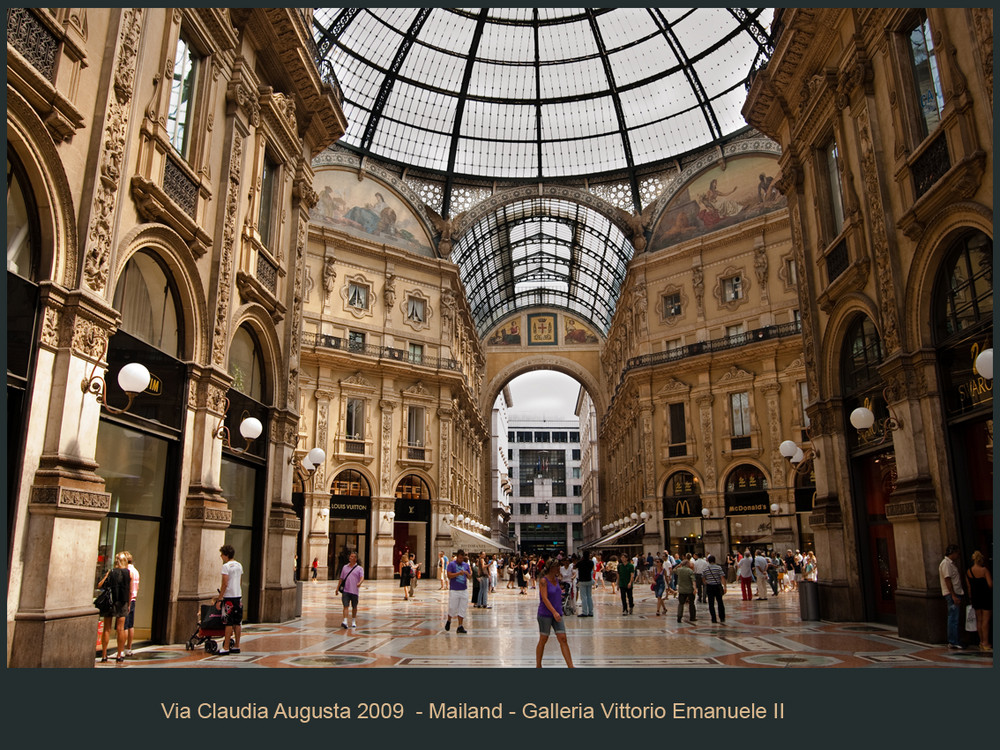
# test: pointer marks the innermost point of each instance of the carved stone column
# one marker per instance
(57, 538)
(386, 500)
(282, 600)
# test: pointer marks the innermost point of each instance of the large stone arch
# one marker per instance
(29, 139)
(934, 244)
(495, 382)
(170, 248)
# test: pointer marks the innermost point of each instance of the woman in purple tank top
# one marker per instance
(550, 614)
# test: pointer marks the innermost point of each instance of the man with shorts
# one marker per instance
(230, 599)
(459, 574)
(348, 586)
(130, 617)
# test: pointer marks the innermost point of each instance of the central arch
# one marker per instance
(588, 375)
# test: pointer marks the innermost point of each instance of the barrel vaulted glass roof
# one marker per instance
(540, 94)
(543, 252)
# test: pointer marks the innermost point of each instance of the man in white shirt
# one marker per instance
(760, 573)
(230, 599)
(745, 570)
(699, 565)
(952, 591)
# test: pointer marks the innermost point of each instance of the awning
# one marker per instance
(477, 541)
(610, 541)
(598, 541)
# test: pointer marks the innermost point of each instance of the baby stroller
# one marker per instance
(209, 628)
(568, 598)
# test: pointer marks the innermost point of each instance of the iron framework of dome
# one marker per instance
(475, 100)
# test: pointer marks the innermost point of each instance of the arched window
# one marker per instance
(351, 483)
(963, 295)
(412, 487)
(147, 300)
(862, 354)
(22, 226)
(246, 365)
(682, 495)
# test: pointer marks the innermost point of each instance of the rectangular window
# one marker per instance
(732, 288)
(268, 179)
(577, 490)
(357, 295)
(180, 111)
(510, 437)
(560, 437)
(797, 317)
(560, 509)
(525, 509)
(510, 454)
(671, 305)
(831, 165)
(355, 340)
(577, 507)
(576, 472)
(574, 437)
(415, 426)
(735, 330)
(678, 428)
(739, 404)
(524, 437)
(926, 78)
(791, 272)
(355, 426)
(542, 437)
(803, 400)
(577, 532)
(416, 353)
(415, 309)
(576, 454)
(672, 345)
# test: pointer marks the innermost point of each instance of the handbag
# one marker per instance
(105, 600)
(970, 619)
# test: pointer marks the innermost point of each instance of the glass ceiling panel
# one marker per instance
(575, 94)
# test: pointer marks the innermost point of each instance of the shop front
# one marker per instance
(748, 505)
(683, 526)
(350, 516)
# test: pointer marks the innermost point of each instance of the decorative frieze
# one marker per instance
(221, 329)
(67, 498)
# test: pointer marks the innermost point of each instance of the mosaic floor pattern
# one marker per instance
(396, 633)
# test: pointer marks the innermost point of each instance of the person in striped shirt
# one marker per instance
(715, 587)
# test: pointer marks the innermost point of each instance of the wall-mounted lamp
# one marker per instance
(863, 419)
(460, 518)
(644, 515)
(634, 516)
(389, 516)
(705, 512)
(984, 363)
(775, 508)
(677, 523)
(250, 429)
(133, 378)
(799, 456)
(309, 462)
(323, 515)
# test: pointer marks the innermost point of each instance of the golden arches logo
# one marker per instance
(682, 508)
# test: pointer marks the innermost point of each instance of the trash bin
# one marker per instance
(808, 600)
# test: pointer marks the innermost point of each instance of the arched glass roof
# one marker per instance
(531, 93)
(543, 252)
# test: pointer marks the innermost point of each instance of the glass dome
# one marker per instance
(533, 93)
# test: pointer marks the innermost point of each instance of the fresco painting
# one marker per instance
(508, 334)
(718, 198)
(368, 210)
(575, 332)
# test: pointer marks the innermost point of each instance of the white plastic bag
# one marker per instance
(970, 619)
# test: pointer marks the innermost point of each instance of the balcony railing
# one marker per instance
(376, 351)
(715, 345)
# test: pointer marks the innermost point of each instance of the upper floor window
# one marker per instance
(803, 400)
(559, 437)
(926, 79)
(671, 304)
(180, 111)
(356, 340)
(830, 167)
(523, 437)
(732, 288)
(541, 437)
(416, 353)
(791, 272)
(678, 428)
(510, 436)
(415, 310)
(268, 179)
(561, 509)
(574, 437)
(964, 295)
(355, 419)
(415, 426)
(146, 299)
(735, 330)
(357, 295)
(576, 454)
(739, 404)
(861, 356)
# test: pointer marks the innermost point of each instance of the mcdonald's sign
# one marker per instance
(683, 507)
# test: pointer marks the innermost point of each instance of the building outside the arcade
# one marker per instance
(330, 291)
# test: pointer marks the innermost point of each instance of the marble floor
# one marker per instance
(396, 633)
